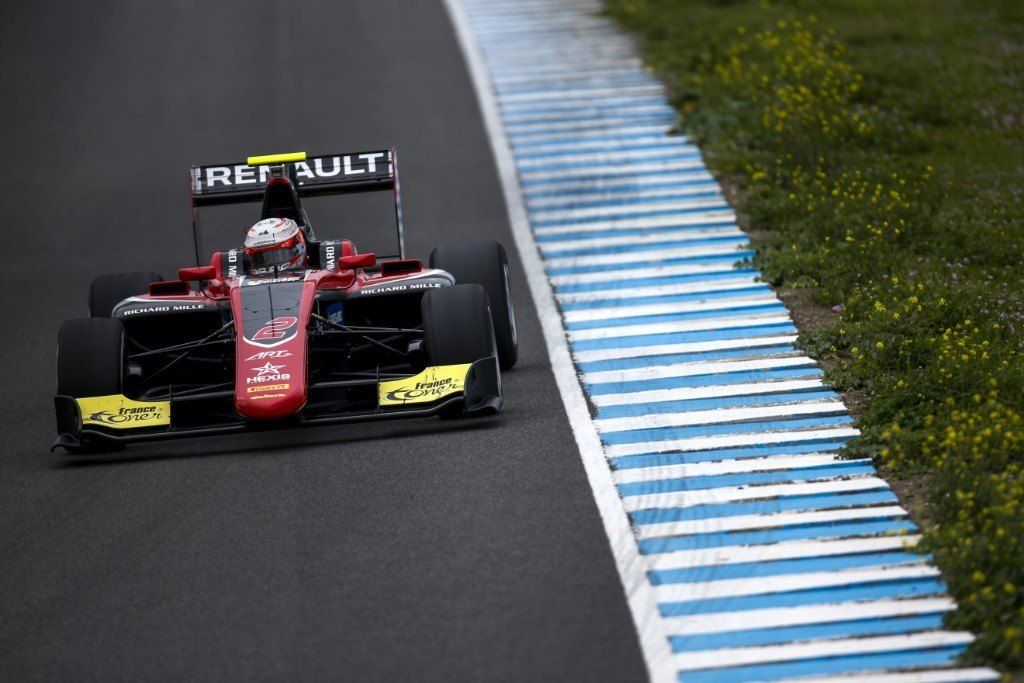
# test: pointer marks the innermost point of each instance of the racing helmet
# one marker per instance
(275, 243)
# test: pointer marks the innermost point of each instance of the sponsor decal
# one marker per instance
(325, 168)
(401, 287)
(264, 355)
(336, 313)
(163, 308)
(431, 385)
(232, 270)
(268, 369)
(261, 397)
(330, 260)
(268, 373)
(120, 412)
(267, 387)
(251, 282)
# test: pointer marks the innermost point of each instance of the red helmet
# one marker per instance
(275, 244)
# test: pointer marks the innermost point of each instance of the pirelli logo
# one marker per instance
(267, 387)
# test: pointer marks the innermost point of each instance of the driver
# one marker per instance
(275, 244)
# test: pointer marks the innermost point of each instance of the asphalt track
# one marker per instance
(421, 550)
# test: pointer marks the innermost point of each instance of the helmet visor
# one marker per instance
(274, 257)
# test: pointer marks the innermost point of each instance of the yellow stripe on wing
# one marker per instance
(276, 158)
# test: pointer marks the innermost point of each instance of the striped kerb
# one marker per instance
(769, 556)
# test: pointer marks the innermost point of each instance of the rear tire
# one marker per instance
(109, 290)
(485, 264)
(90, 362)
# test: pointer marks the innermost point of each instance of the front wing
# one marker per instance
(472, 389)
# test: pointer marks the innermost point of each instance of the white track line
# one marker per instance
(622, 259)
(617, 312)
(741, 656)
(552, 150)
(624, 132)
(723, 235)
(766, 585)
(737, 281)
(531, 78)
(585, 119)
(727, 235)
(522, 73)
(647, 207)
(949, 675)
(652, 273)
(626, 198)
(639, 593)
(729, 494)
(675, 327)
(610, 48)
(690, 347)
(696, 368)
(726, 622)
(688, 172)
(623, 169)
(717, 416)
(711, 217)
(772, 552)
(711, 391)
(703, 443)
(716, 525)
(735, 466)
(597, 161)
(623, 199)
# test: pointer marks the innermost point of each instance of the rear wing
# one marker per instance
(327, 174)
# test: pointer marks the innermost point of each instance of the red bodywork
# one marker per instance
(270, 356)
(271, 314)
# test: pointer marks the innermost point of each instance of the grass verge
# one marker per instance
(876, 152)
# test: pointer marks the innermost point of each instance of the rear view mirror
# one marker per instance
(169, 288)
(357, 261)
(197, 274)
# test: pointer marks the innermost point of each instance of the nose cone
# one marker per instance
(271, 315)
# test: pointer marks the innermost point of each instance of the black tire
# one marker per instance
(90, 357)
(485, 264)
(109, 290)
(90, 362)
(457, 325)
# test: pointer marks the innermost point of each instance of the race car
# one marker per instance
(323, 335)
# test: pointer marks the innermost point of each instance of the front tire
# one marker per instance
(457, 325)
(90, 362)
(485, 264)
(90, 357)
(457, 329)
(109, 290)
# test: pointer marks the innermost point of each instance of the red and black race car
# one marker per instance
(351, 337)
